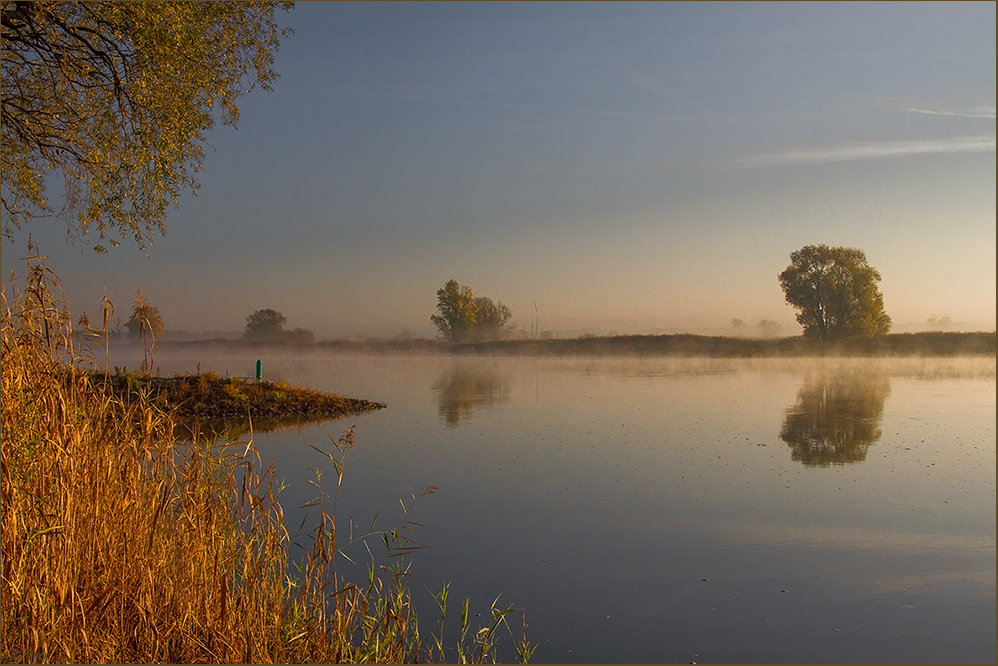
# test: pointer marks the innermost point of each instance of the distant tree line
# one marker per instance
(268, 326)
(145, 323)
(463, 317)
(766, 328)
(834, 290)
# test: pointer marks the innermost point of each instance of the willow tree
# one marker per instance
(115, 98)
(835, 292)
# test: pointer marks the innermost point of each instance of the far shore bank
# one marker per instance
(928, 344)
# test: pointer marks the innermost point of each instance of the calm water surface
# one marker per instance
(677, 510)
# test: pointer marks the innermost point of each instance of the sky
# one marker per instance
(601, 168)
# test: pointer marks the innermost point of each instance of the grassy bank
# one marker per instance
(903, 344)
(928, 344)
(207, 397)
(122, 542)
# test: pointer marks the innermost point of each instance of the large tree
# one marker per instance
(463, 317)
(116, 98)
(835, 292)
(456, 308)
(265, 324)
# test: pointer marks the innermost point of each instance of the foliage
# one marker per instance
(145, 322)
(769, 328)
(835, 291)
(456, 308)
(265, 325)
(268, 325)
(483, 642)
(116, 97)
(492, 319)
(124, 544)
(300, 336)
(937, 323)
(462, 317)
(145, 319)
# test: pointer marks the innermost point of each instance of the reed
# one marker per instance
(122, 542)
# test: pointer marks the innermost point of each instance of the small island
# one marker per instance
(208, 397)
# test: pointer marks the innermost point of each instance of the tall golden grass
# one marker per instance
(121, 542)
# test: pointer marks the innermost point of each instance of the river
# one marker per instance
(660, 510)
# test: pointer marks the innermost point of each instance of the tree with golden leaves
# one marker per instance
(463, 317)
(835, 292)
(456, 308)
(116, 98)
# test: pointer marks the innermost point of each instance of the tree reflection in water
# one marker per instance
(836, 418)
(464, 388)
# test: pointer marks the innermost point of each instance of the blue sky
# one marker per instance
(625, 167)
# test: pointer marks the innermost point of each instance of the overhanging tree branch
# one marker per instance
(117, 97)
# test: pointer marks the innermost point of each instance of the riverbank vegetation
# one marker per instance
(928, 344)
(123, 542)
(207, 396)
(901, 344)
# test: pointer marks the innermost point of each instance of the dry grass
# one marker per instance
(122, 543)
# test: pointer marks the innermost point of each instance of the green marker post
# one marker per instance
(259, 370)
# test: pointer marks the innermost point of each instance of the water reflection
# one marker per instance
(464, 388)
(231, 430)
(836, 418)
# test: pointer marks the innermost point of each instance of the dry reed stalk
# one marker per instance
(120, 542)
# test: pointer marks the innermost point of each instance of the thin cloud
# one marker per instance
(976, 112)
(871, 151)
